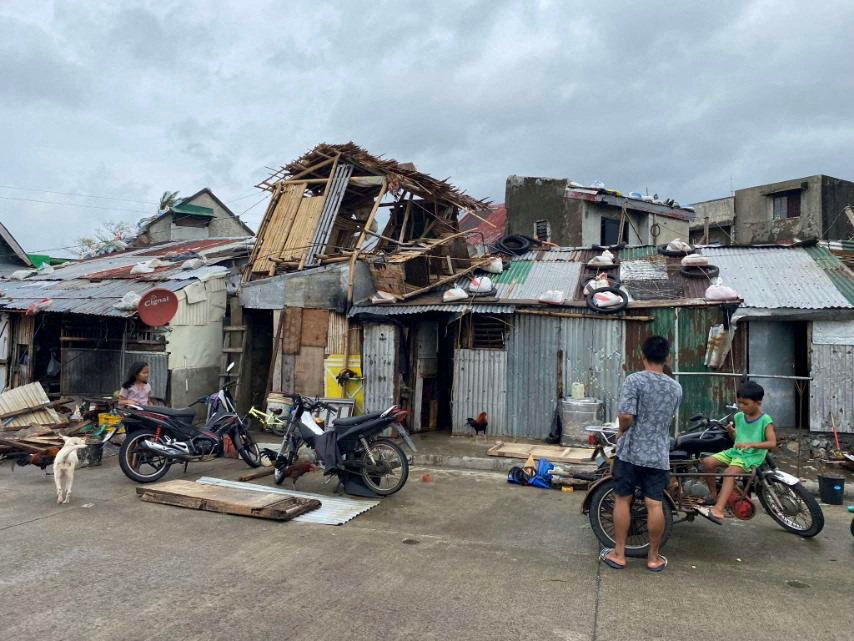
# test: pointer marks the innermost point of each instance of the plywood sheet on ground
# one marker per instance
(196, 496)
(335, 510)
(554, 453)
(315, 323)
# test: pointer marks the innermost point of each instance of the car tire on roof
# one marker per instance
(700, 271)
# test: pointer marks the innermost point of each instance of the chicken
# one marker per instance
(478, 424)
(296, 470)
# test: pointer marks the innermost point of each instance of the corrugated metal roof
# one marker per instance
(396, 310)
(93, 286)
(775, 278)
(528, 280)
(78, 296)
(836, 270)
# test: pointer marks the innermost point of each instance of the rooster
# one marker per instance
(296, 470)
(478, 424)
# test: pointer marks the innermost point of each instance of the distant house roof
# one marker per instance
(14, 247)
(185, 207)
(806, 278)
(616, 199)
(486, 229)
(94, 285)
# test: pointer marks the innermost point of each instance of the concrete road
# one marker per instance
(463, 557)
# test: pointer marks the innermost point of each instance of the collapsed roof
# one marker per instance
(325, 209)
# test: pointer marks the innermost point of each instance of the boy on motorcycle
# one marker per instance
(753, 434)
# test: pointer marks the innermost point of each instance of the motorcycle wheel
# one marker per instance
(140, 464)
(247, 447)
(602, 521)
(385, 453)
(799, 512)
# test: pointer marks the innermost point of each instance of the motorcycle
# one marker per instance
(352, 449)
(781, 495)
(157, 437)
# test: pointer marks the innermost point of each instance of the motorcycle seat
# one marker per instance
(355, 420)
(182, 413)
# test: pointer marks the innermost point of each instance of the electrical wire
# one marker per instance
(68, 193)
(48, 202)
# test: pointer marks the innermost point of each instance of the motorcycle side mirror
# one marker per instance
(696, 417)
(732, 406)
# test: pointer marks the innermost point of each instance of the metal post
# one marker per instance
(676, 364)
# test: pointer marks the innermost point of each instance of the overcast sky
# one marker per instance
(124, 100)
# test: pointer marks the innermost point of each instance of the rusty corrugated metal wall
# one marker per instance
(547, 354)
(380, 365)
(532, 376)
(480, 385)
(700, 394)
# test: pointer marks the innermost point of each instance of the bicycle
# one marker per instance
(272, 421)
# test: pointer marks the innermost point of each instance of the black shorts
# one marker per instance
(629, 476)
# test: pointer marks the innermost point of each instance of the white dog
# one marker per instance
(64, 465)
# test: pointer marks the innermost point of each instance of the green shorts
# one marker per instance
(746, 460)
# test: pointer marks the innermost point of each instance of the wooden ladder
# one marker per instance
(233, 346)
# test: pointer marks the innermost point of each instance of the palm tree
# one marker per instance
(167, 200)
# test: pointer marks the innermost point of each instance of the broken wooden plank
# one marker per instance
(225, 500)
(554, 453)
(257, 474)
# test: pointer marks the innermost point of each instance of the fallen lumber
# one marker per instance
(257, 474)
(225, 500)
(554, 453)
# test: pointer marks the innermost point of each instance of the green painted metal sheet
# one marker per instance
(836, 270)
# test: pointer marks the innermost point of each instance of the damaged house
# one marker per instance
(343, 225)
(76, 328)
(515, 357)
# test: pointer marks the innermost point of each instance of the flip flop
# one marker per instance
(603, 556)
(707, 513)
(659, 568)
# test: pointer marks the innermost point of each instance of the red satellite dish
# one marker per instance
(157, 307)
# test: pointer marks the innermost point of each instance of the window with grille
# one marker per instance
(543, 230)
(483, 332)
(786, 204)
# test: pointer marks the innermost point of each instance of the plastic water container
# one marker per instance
(577, 392)
(575, 415)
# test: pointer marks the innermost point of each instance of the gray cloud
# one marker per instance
(686, 99)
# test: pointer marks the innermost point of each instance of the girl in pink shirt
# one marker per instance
(136, 390)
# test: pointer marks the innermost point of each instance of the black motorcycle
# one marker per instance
(781, 495)
(353, 449)
(157, 437)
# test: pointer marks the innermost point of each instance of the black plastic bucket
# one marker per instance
(831, 489)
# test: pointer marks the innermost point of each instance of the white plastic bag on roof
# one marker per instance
(493, 266)
(678, 245)
(454, 294)
(128, 302)
(552, 297)
(718, 291)
(382, 297)
(142, 268)
(21, 274)
(606, 299)
(45, 268)
(481, 285)
(695, 260)
(599, 282)
(605, 259)
(193, 263)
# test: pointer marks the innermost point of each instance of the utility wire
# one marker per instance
(47, 202)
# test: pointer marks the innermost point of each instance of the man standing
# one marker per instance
(648, 401)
